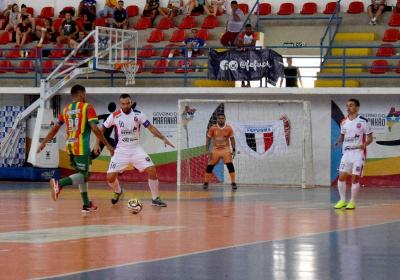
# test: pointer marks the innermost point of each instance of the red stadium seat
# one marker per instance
(57, 23)
(39, 22)
(5, 66)
(132, 10)
(178, 36)
(48, 66)
(47, 12)
(25, 66)
(286, 9)
(203, 34)
(34, 53)
(264, 9)
(143, 23)
(210, 22)
(244, 7)
(394, 20)
(3, 22)
(142, 66)
(30, 11)
(167, 49)
(58, 52)
(156, 36)
(101, 21)
(356, 7)
(147, 51)
(182, 68)
(330, 8)
(386, 50)
(165, 23)
(398, 68)
(187, 22)
(13, 53)
(379, 67)
(5, 38)
(309, 8)
(160, 67)
(391, 35)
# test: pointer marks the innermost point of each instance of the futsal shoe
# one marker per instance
(234, 186)
(158, 202)
(55, 189)
(205, 186)
(341, 204)
(351, 206)
(90, 208)
(117, 196)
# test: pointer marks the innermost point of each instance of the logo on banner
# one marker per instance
(260, 139)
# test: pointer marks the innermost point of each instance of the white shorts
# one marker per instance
(135, 156)
(351, 164)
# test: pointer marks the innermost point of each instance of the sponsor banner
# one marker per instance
(261, 139)
(235, 65)
(383, 155)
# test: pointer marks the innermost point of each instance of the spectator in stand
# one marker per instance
(120, 18)
(84, 50)
(196, 7)
(87, 7)
(213, 7)
(375, 10)
(46, 32)
(291, 75)
(234, 25)
(13, 18)
(24, 12)
(23, 34)
(247, 39)
(173, 8)
(88, 23)
(68, 30)
(5, 9)
(193, 43)
(108, 10)
(151, 9)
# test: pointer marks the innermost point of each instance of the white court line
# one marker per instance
(211, 250)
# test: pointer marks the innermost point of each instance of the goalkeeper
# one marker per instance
(223, 139)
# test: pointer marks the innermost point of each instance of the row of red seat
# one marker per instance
(178, 35)
(381, 66)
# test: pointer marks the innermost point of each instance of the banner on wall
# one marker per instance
(382, 166)
(248, 65)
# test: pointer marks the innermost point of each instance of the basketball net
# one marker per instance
(130, 69)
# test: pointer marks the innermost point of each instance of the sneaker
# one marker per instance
(55, 189)
(90, 208)
(341, 204)
(158, 202)
(117, 196)
(205, 186)
(351, 206)
(371, 22)
(234, 186)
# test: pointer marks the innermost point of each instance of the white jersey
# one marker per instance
(354, 132)
(127, 127)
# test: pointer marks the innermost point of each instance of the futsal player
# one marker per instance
(223, 139)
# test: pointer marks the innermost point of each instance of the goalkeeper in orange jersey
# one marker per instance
(223, 139)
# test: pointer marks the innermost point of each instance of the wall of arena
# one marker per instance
(160, 105)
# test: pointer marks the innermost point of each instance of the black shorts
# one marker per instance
(198, 10)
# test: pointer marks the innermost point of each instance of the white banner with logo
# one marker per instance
(261, 139)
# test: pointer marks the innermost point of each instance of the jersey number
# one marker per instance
(73, 123)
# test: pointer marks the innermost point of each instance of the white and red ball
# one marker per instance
(135, 205)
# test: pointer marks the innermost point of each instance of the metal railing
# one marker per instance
(329, 35)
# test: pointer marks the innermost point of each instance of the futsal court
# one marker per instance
(253, 233)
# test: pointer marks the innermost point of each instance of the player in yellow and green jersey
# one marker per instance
(80, 119)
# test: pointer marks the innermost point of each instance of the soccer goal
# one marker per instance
(273, 141)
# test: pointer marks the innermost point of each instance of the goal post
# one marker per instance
(273, 141)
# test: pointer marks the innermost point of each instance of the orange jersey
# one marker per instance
(220, 136)
(77, 116)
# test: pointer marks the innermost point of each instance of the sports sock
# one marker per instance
(83, 188)
(207, 177)
(233, 177)
(355, 188)
(153, 184)
(115, 186)
(342, 190)
(74, 179)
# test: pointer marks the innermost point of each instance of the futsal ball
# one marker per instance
(135, 205)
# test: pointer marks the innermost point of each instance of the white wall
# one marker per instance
(59, 4)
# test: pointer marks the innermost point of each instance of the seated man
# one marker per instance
(24, 30)
(46, 33)
(68, 30)
(24, 12)
(376, 9)
(173, 9)
(120, 18)
(214, 7)
(247, 39)
(193, 43)
(151, 9)
(84, 50)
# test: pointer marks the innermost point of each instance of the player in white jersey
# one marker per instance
(127, 124)
(355, 135)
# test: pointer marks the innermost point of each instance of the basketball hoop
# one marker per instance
(130, 69)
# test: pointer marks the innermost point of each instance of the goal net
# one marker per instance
(273, 141)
